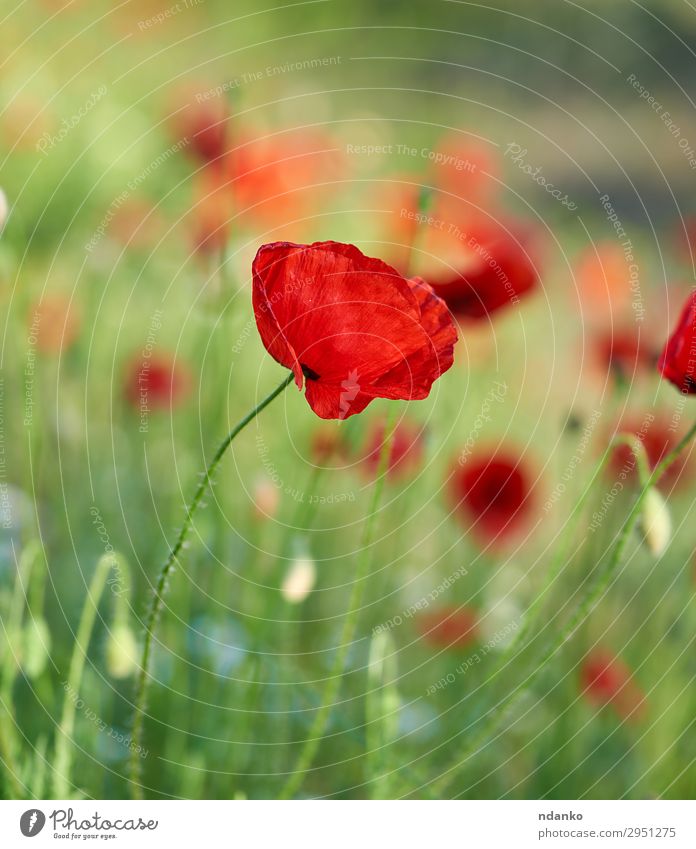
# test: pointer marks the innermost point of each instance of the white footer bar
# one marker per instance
(353, 825)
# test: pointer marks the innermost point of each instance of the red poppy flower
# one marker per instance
(406, 454)
(494, 493)
(155, 382)
(658, 438)
(328, 444)
(678, 360)
(450, 627)
(351, 328)
(606, 680)
(496, 272)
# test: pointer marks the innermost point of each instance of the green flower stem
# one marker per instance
(9, 663)
(595, 592)
(559, 561)
(161, 587)
(335, 676)
(64, 738)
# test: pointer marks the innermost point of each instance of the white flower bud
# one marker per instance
(4, 209)
(121, 652)
(656, 523)
(500, 622)
(299, 580)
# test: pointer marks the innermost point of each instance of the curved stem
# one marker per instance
(161, 587)
(595, 592)
(335, 676)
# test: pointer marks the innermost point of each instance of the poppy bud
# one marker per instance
(656, 523)
(299, 580)
(121, 652)
(4, 209)
(36, 646)
(266, 497)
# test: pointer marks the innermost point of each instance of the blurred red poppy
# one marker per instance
(493, 493)
(449, 627)
(658, 438)
(351, 328)
(211, 212)
(406, 454)
(155, 382)
(137, 225)
(678, 361)
(281, 178)
(493, 270)
(202, 125)
(54, 323)
(465, 169)
(328, 444)
(606, 680)
(625, 352)
(603, 281)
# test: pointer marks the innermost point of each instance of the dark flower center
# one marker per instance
(309, 373)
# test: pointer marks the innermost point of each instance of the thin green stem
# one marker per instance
(9, 663)
(335, 676)
(594, 593)
(559, 560)
(64, 738)
(161, 586)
